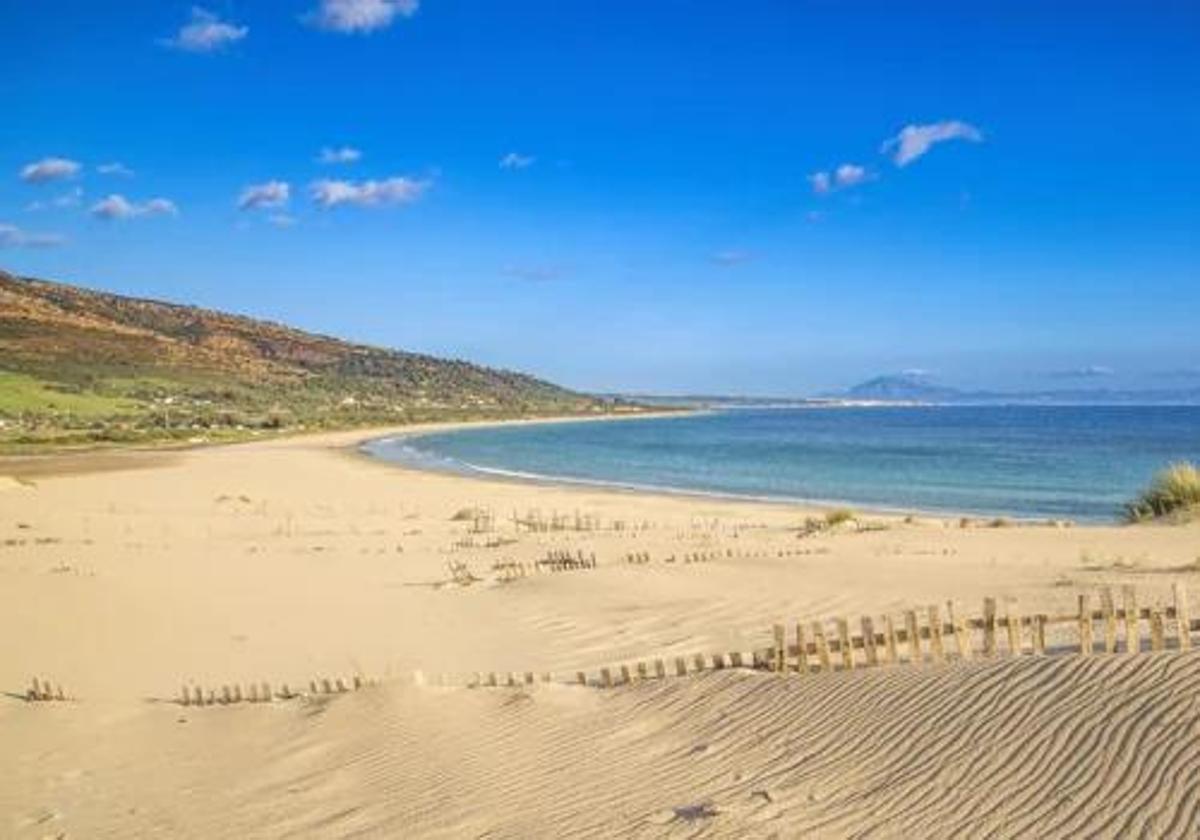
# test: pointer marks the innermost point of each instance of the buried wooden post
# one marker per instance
(680, 666)
(989, 626)
(913, 631)
(643, 671)
(735, 659)
(1183, 619)
(1110, 620)
(868, 631)
(801, 650)
(625, 678)
(847, 652)
(660, 669)
(718, 661)
(1039, 635)
(1013, 619)
(962, 637)
(822, 647)
(780, 664)
(890, 640)
(1156, 629)
(185, 697)
(581, 677)
(698, 662)
(1133, 642)
(1085, 626)
(935, 634)
(606, 678)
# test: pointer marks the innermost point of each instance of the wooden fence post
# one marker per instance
(914, 637)
(935, 634)
(1133, 642)
(1156, 629)
(1014, 630)
(989, 626)
(606, 678)
(962, 636)
(847, 652)
(868, 631)
(1039, 635)
(801, 649)
(1085, 625)
(698, 662)
(780, 664)
(890, 632)
(1183, 618)
(822, 647)
(1110, 620)
(680, 666)
(660, 669)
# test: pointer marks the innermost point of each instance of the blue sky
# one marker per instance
(665, 196)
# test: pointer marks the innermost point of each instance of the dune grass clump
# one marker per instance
(1174, 492)
(839, 517)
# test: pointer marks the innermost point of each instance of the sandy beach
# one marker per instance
(126, 576)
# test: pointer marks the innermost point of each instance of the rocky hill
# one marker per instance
(78, 364)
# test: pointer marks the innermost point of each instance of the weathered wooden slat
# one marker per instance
(844, 648)
(606, 678)
(801, 649)
(890, 635)
(868, 632)
(1157, 634)
(962, 634)
(780, 664)
(1039, 635)
(913, 633)
(1110, 620)
(735, 659)
(1183, 621)
(680, 666)
(625, 677)
(935, 634)
(822, 646)
(1133, 642)
(699, 662)
(660, 669)
(989, 626)
(1013, 621)
(1086, 642)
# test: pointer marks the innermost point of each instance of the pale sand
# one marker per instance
(290, 560)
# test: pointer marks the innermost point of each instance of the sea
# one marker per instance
(1043, 462)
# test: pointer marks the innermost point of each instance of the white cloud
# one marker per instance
(270, 194)
(116, 206)
(845, 176)
(67, 200)
(205, 32)
(345, 154)
(12, 236)
(398, 190)
(115, 168)
(49, 169)
(515, 160)
(360, 15)
(913, 141)
(281, 220)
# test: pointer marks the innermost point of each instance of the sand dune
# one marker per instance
(292, 560)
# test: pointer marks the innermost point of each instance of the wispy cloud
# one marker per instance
(516, 160)
(205, 32)
(731, 257)
(65, 201)
(1085, 372)
(270, 194)
(282, 220)
(361, 16)
(342, 154)
(115, 206)
(913, 141)
(49, 169)
(328, 193)
(12, 236)
(115, 168)
(845, 176)
(534, 273)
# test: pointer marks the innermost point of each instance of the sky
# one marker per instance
(774, 198)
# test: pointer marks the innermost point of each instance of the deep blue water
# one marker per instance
(1074, 462)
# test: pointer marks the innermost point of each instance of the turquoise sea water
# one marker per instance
(1075, 462)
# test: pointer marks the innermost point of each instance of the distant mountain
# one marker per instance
(903, 387)
(911, 387)
(115, 367)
